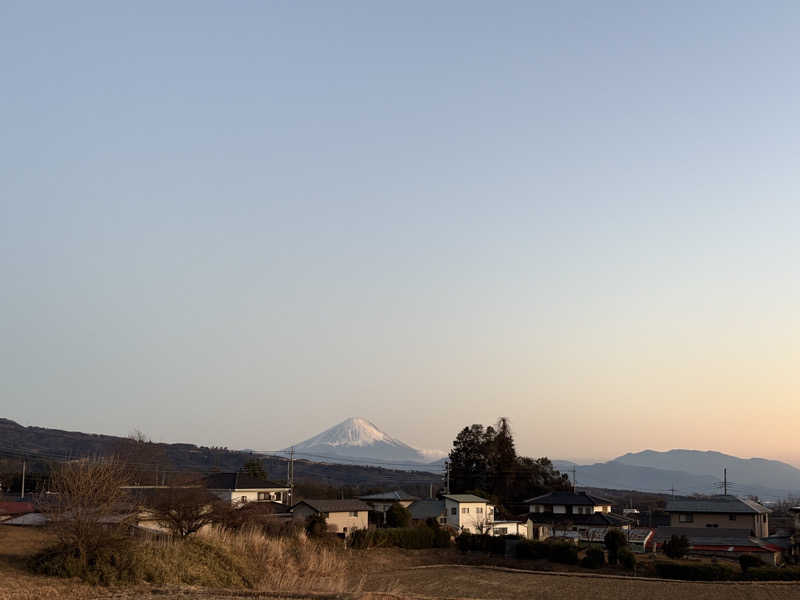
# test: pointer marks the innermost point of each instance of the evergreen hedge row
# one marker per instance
(412, 538)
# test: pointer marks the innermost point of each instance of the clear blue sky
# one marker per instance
(241, 223)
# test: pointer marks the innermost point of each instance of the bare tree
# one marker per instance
(86, 504)
(184, 510)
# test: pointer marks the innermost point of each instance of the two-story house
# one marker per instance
(341, 516)
(556, 512)
(381, 502)
(720, 512)
(468, 513)
(240, 488)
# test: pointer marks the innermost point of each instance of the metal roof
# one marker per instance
(329, 506)
(426, 509)
(241, 481)
(465, 498)
(717, 504)
(394, 496)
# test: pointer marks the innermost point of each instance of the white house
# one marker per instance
(341, 516)
(499, 528)
(468, 513)
(240, 488)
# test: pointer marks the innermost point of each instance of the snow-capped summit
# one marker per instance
(358, 440)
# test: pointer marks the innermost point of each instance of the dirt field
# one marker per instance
(389, 575)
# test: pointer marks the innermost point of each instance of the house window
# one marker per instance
(244, 499)
(686, 518)
(712, 525)
(344, 529)
(465, 510)
(479, 510)
(354, 513)
(500, 530)
(731, 517)
(442, 520)
(263, 496)
(453, 511)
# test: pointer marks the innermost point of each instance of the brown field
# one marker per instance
(389, 575)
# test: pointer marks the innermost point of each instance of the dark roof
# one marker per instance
(569, 499)
(593, 520)
(240, 481)
(394, 496)
(329, 506)
(716, 504)
(426, 509)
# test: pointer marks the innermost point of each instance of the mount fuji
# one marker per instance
(359, 441)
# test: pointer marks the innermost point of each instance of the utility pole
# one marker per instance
(574, 479)
(725, 480)
(291, 474)
(22, 487)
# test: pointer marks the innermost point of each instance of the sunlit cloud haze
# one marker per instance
(241, 224)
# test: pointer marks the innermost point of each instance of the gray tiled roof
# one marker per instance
(569, 499)
(241, 481)
(329, 506)
(394, 496)
(717, 504)
(426, 509)
(708, 536)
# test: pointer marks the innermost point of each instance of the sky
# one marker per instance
(240, 223)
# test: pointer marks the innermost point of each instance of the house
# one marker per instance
(239, 488)
(383, 501)
(468, 513)
(721, 543)
(556, 513)
(422, 510)
(638, 537)
(720, 512)
(342, 516)
(795, 539)
(509, 527)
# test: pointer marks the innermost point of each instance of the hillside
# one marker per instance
(40, 446)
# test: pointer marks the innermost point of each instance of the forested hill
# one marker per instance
(41, 446)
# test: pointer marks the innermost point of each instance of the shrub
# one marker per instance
(564, 553)
(614, 540)
(594, 558)
(398, 516)
(747, 561)
(531, 550)
(476, 542)
(772, 574)
(676, 546)
(316, 526)
(401, 537)
(697, 572)
(627, 559)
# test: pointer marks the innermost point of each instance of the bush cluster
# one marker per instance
(627, 559)
(594, 558)
(475, 542)
(746, 561)
(772, 574)
(560, 552)
(676, 546)
(401, 537)
(695, 572)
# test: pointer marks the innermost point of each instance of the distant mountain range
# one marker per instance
(689, 472)
(357, 440)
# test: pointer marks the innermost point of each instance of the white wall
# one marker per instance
(235, 496)
(467, 515)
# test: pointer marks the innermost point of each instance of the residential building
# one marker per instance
(509, 527)
(557, 513)
(422, 510)
(240, 488)
(468, 513)
(383, 501)
(342, 516)
(720, 512)
(721, 542)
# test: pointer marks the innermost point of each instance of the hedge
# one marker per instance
(594, 558)
(475, 542)
(772, 574)
(560, 552)
(401, 537)
(698, 572)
